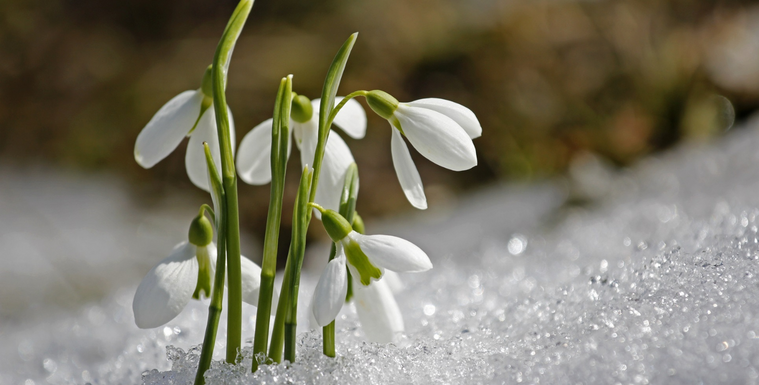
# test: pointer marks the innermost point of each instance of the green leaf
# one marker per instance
(300, 227)
(275, 131)
(284, 135)
(332, 82)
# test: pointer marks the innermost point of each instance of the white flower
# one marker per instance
(441, 130)
(174, 121)
(254, 154)
(186, 273)
(367, 257)
(377, 311)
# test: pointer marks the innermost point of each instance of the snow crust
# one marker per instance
(655, 282)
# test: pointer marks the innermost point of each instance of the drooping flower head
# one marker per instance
(441, 130)
(367, 257)
(190, 113)
(254, 154)
(187, 273)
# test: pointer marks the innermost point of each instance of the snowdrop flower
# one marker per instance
(367, 257)
(187, 273)
(190, 113)
(441, 130)
(254, 154)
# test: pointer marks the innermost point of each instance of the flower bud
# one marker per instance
(382, 103)
(201, 231)
(358, 224)
(337, 227)
(302, 110)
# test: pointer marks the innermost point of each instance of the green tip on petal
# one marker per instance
(204, 274)
(382, 103)
(361, 263)
(207, 85)
(302, 110)
(201, 231)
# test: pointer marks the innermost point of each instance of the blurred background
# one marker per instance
(554, 83)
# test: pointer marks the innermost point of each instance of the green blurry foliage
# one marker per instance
(548, 80)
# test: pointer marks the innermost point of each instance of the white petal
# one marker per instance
(306, 135)
(437, 137)
(330, 292)
(195, 158)
(392, 253)
(393, 281)
(351, 118)
(408, 176)
(254, 155)
(167, 128)
(337, 159)
(377, 311)
(460, 114)
(251, 282)
(167, 288)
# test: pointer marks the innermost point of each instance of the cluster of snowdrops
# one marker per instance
(361, 266)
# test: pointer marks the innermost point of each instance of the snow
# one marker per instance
(653, 282)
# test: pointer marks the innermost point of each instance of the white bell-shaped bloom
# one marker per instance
(439, 129)
(367, 257)
(174, 121)
(378, 313)
(254, 154)
(377, 310)
(188, 271)
(330, 292)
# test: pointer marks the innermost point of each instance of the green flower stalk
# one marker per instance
(367, 257)
(231, 225)
(285, 320)
(217, 297)
(280, 136)
(347, 210)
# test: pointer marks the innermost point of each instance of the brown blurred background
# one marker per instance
(550, 81)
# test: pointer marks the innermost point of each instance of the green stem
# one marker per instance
(340, 105)
(234, 297)
(210, 211)
(280, 137)
(278, 332)
(231, 222)
(328, 332)
(214, 311)
(300, 226)
(302, 213)
(347, 209)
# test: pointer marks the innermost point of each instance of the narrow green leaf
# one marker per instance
(300, 227)
(332, 82)
(279, 138)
